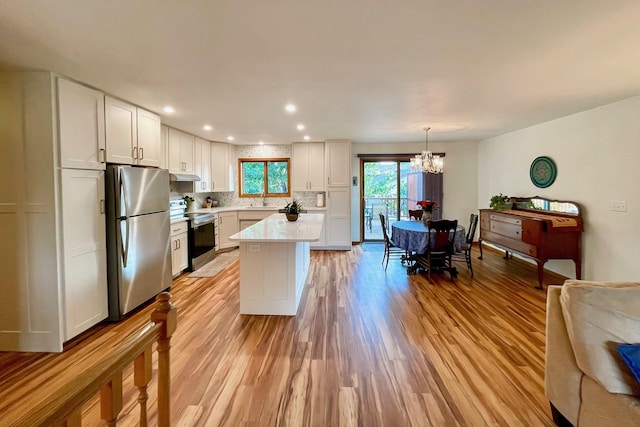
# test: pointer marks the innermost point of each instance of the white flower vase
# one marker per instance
(191, 207)
(426, 216)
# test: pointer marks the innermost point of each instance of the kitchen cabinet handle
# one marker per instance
(134, 152)
(141, 153)
(101, 206)
(101, 156)
(328, 180)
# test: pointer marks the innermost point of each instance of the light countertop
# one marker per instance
(252, 208)
(276, 228)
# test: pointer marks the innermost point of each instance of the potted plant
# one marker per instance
(189, 200)
(499, 201)
(292, 210)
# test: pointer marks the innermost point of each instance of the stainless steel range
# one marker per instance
(202, 239)
(202, 232)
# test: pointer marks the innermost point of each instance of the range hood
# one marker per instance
(183, 177)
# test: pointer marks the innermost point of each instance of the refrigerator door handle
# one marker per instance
(125, 243)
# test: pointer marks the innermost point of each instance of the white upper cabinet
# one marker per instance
(221, 168)
(81, 126)
(164, 147)
(132, 134)
(338, 163)
(308, 166)
(181, 152)
(202, 165)
(149, 139)
(121, 131)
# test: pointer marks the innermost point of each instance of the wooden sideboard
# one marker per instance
(537, 231)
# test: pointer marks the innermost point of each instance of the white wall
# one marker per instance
(597, 154)
(460, 177)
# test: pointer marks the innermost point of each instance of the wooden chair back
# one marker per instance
(471, 232)
(415, 214)
(442, 236)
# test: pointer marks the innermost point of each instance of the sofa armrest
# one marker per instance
(562, 377)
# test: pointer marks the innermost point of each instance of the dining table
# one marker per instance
(412, 237)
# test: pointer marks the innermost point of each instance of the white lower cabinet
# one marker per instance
(179, 247)
(85, 251)
(228, 226)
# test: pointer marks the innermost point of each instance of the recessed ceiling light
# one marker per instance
(290, 108)
(230, 138)
(261, 142)
(168, 109)
(207, 127)
(306, 137)
(300, 126)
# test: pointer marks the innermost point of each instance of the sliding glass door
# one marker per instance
(384, 191)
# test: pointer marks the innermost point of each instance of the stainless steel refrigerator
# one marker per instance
(138, 247)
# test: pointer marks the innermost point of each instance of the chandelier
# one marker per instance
(427, 161)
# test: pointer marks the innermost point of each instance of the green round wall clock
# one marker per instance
(543, 172)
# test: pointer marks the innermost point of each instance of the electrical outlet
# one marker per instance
(254, 248)
(619, 205)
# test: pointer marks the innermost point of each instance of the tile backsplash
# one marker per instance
(230, 198)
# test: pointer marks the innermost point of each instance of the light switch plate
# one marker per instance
(619, 205)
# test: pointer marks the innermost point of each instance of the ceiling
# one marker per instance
(369, 71)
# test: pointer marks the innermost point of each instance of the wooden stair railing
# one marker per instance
(65, 408)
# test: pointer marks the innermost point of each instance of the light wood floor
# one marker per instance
(367, 348)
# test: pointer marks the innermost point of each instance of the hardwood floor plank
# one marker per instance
(367, 348)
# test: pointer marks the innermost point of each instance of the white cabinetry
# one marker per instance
(53, 254)
(84, 241)
(228, 226)
(132, 134)
(121, 131)
(164, 147)
(338, 163)
(308, 166)
(338, 217)
(181, 152)
(149, 139)
(81, 126)
(249, 217)
(179, 247)
(202, 163)
(221, 168)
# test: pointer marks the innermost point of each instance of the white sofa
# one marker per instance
(586, 381)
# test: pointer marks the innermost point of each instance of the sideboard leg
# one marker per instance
(480, 246)
(540, 275)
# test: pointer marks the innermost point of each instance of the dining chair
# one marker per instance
(415, 214)
(440, 247)
(380, 208)
(468, 242)
(390, 249)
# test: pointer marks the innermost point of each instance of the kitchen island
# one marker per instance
(274, 262)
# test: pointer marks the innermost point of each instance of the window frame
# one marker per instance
(265, 161)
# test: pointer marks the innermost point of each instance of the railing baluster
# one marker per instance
(111, 399)
(142, 373)
(75, 419)
(166, 314)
